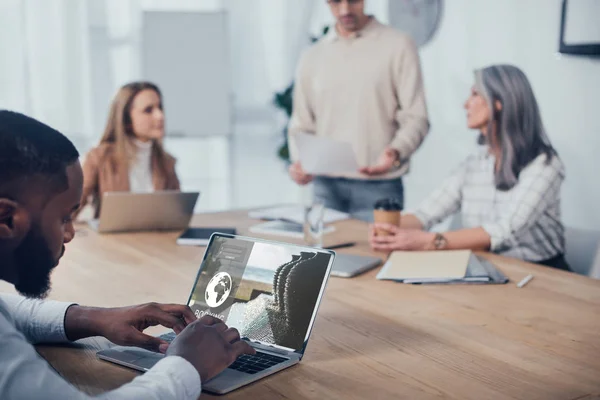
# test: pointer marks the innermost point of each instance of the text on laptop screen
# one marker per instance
(267, 291)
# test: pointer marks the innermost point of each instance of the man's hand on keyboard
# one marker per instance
(210, 346)
(125, 325)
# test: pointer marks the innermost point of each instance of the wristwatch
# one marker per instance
(439, 242)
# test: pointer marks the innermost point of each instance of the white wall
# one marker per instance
(267, 37)
(476, 33)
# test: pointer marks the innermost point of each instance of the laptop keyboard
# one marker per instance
(256, 363)
(248, 364)
(168, 337)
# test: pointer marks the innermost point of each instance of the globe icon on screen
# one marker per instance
(218, 289)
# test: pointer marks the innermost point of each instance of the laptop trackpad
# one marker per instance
(227, 380)
(131, 357)
(149, 361)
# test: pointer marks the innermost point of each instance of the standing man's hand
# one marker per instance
(210, 346)
(387, 160)
(298, 175)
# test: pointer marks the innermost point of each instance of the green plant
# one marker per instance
(284, 101)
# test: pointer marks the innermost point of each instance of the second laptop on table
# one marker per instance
(130, 212)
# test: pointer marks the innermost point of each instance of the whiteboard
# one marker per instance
(187, 55)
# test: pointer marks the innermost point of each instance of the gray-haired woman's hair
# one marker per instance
(517, 127)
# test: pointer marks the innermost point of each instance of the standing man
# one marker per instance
(360, 84)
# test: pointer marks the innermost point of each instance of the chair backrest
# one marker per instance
(583, 251)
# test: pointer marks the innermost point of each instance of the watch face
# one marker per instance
(440, 241)
(418, 18)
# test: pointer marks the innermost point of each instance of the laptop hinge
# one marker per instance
(272, 349)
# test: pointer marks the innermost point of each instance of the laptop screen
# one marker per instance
(268, 291)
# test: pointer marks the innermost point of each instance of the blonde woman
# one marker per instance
(130, 155)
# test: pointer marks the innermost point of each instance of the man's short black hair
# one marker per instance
(30, 148)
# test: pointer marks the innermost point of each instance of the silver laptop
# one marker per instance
(128, 212)
(269, 291)
(348, 265)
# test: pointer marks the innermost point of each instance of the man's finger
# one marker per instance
(378, 169)
(220, 327)
(231, 335)
(296, 169)
(166, 319)
(209, 320)
(242, 347)
(179, 310)
(147, 342)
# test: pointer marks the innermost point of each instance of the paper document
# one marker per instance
(426, 265)
(320, 156)
(283, 228)
(295, 214)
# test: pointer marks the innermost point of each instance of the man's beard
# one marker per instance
(34, 261)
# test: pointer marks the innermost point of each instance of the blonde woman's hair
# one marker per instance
(119, 131)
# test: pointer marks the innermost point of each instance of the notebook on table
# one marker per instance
(295, 214)
(284, 228)
(451, 266)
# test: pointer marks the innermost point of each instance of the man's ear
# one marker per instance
(14, 220)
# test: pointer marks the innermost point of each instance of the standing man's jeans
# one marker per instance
(354, 196)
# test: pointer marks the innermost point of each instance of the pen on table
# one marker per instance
(341, 245)
(525, 281)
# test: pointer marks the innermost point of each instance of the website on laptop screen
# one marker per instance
(267, 291)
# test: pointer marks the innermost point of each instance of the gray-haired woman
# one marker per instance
(508, 192)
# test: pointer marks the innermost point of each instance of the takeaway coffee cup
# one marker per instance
(387, 211)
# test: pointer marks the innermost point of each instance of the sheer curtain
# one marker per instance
(61, 61)
(266, 39)
(285, 32)
(45, 62)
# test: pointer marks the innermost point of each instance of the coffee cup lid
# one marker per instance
(388, 204)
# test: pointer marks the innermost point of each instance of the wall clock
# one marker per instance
(418, 18)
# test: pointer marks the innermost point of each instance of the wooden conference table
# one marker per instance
(372, 339)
